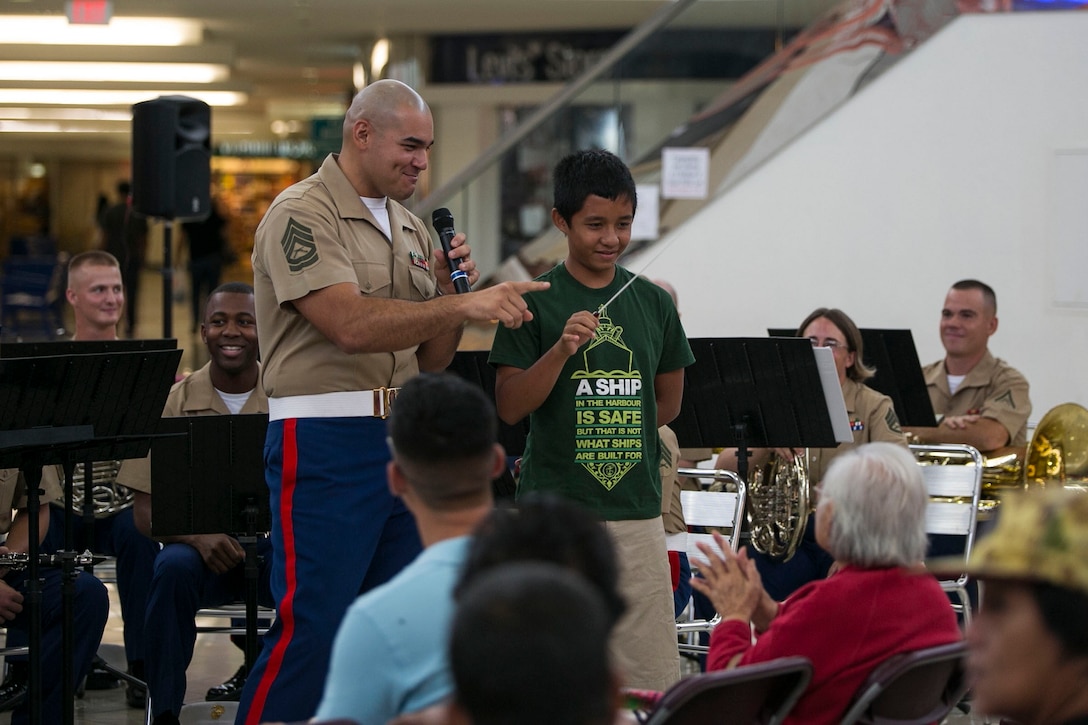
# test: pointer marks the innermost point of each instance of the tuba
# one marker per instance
(779, 503)
(1058, 452)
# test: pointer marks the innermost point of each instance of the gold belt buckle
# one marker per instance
(383, 401)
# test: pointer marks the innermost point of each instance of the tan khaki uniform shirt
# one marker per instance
(13, 495)
(872, 418)
(318, 233)
(992, 389)
(195, 395)
(672, 512)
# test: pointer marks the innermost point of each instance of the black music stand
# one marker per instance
(898, 372)
(60, 409)
(759, 392)
(208, 477)
(82, 347)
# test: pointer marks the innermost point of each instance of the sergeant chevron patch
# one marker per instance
(298, 245)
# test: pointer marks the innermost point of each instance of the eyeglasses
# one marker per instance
(828, 342)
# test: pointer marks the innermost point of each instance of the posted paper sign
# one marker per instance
(685, 173)
(647, 218)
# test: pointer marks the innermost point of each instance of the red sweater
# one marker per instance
(846, 625)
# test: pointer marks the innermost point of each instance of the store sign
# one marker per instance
(692, 53)
(281, 149)
(517, 58)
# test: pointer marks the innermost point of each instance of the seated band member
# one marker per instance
(90, 604)
(97, 298)
(980, 400)
(882, 601)
(872, 418)
(1028, 645)
(204, 570)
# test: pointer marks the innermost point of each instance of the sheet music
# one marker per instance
(836, 406)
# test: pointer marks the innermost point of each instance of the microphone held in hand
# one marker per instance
(442, 221)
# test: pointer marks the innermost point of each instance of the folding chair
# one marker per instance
(953, 476)
(912, 688)
(756, 694)
(707, 509)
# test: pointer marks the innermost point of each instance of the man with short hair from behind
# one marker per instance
(443, 436)
(529, 645)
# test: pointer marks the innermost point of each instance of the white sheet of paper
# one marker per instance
(648, 215)
(836, 406)
(685, 173)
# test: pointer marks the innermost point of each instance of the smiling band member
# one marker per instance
(204, 570)
(980, 399)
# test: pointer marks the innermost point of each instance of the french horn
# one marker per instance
(107, 496)
(779, 503)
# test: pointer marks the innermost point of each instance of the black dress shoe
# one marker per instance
(136, 696)
(231, 690)
(101, 680)
(12, 692)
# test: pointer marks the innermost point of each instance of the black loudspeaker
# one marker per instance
(171, 158)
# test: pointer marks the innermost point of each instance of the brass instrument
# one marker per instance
(1001, 471)
(1058, 452)
(108, 497)
(779, 503)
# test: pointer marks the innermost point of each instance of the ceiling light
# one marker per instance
(16, 70)
(55, 30)
(60, 127)
(90, 97)
(64, 114)
(379, 57)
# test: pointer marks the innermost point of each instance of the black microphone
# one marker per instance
(442, 221)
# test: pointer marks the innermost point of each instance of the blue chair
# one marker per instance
(31, 285)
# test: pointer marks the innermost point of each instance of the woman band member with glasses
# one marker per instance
(872, 418)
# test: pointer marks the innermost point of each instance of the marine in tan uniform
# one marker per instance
(202, 570)
(97, 297)
(352, 300)
(980, 400)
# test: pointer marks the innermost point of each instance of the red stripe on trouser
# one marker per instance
(286, 609)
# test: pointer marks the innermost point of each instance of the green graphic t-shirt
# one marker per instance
(594, 440)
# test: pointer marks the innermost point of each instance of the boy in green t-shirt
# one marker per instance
(597, 376)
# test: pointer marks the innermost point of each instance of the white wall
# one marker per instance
(942, 169)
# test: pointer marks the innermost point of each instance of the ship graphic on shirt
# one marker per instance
(608, 407)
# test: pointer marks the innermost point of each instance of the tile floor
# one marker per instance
(214, 660)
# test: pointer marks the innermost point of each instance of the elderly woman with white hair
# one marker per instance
(880, 601)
